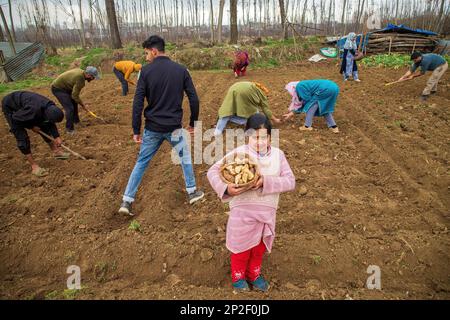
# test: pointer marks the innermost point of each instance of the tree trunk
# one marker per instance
(329, 18)
(343, 14)
(83, 33)
(13, 32)
(283, 19)
(303, 13)
(234, 34)
(440, 24)
(116, 43)
(211, 13)
(8, 34)
(2, 36)
(219, 23)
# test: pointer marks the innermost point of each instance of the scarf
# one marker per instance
(295, 103)
(350, 43)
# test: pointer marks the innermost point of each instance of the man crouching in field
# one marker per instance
(27, 110)
(163, 83)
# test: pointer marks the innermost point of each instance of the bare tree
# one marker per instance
(283, 18)
(211, 14)
(219, 23)
(2, 36)
(343, 13)
(13, 32)
(441, 18)
(83, 33)
(116, 43)
(234, 34)
(8, 33)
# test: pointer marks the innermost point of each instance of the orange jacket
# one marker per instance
(127, 68)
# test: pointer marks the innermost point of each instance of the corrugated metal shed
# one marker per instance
(27, 57)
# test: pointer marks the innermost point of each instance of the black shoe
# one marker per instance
(125, 208)
(423, 98)
(195, 196)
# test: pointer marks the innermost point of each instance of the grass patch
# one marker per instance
(270, 63)
(394, 61)
(52, 295)
(170, 46)
(94, 57)
(398, 123)
(135, 226)
(102, 269)
(316, 259)
(29, 82)
(70, 294)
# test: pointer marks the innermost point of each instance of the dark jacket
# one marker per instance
(163, 83)
(25, 110)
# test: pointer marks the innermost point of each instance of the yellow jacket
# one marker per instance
(127, 68)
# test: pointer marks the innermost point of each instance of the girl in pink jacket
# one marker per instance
(251, 223)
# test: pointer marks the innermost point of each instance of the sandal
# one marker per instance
(41, 172)
(62, 156)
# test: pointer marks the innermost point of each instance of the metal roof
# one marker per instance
(25, 60)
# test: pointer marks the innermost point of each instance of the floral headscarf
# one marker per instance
(350, 43)
(295, 103)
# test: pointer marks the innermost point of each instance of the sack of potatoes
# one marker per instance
(239, 169)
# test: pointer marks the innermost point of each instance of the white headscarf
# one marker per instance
(350, 43)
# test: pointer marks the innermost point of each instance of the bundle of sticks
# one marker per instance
(400, 42)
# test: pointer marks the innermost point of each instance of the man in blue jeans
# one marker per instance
(163, 83)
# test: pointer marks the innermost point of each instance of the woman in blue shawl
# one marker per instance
(348, 66)
(315, 98)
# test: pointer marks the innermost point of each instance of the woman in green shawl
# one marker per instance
(243, 100)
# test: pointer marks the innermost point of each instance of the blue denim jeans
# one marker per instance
(310, 115)
(222, 123)
(151, 141)
(122, 80)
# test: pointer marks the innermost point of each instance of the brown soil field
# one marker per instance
(376, 194)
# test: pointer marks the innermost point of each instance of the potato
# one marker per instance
(231, 169)
(239, 170)
(228, 176)
(250, 175)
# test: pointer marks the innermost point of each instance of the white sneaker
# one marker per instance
(195, 196)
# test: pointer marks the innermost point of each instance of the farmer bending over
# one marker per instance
(27, 110)
(426, 62)
(240, 63)
(243, 100)
(67, 87)
(315, 98)
(123, 71)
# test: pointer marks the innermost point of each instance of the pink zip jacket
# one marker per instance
(253, 213)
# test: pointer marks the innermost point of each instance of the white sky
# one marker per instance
(62, 17)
